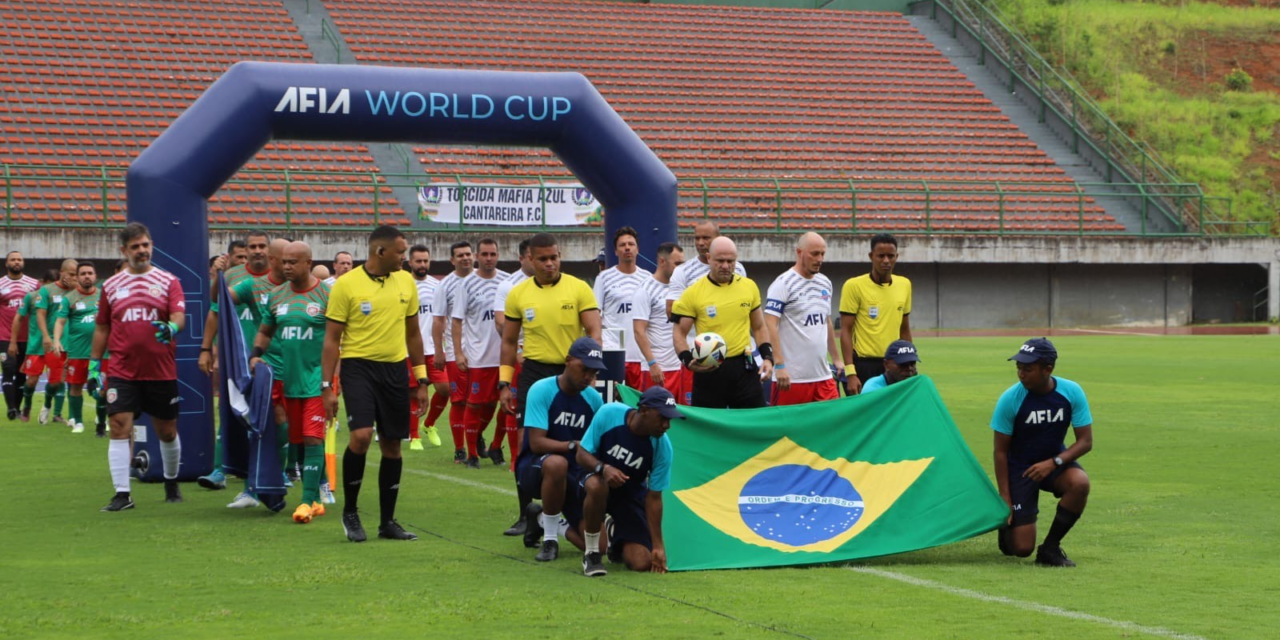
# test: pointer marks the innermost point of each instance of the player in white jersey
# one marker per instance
(442, 336)
(476, 347)
(508, 419)
(615, 289)
(342, 263)
(797, 312)
(420, 266)
(652, 329)
(689, 272)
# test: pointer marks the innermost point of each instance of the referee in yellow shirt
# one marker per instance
(373, 326)
(728, 304)
(875, 310)
(553, 309)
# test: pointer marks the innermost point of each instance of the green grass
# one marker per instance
(1180, 534)
(1123, 53)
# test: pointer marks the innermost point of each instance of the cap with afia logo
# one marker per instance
(901, 352)
(1036, 350)
(662, 400)
(589, 352)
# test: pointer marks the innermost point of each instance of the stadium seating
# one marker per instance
(89, 83)
(724, 93)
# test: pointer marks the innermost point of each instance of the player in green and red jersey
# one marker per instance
(294, 322)
(73, 328)
(34, 360)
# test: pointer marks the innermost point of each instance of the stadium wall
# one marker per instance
(900, 6)
(961, 282)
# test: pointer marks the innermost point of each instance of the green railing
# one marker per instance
(1056, 92)
(95, 197)
(330, 33)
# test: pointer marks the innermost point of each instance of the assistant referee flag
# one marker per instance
(780, 486)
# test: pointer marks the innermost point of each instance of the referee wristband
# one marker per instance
(420, 371)
(505, 373)
(850, 370)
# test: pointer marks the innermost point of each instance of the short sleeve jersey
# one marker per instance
(27, 311)
(248, 313)
(615, 291)
(426, 301)
(878, 310)
(690, 272)
(80, 311)
(129, 303)
(254, 292)
(374, 309)
(564, 416)
(645, 460)
(504, 290)
(11, 294)
(803, 308)
(442, 307)
(721, 308)
(875, 384)
(649, 303)
(1038, 423)
(473, 305)
(50, 298)
(298, 324)
(550, 315)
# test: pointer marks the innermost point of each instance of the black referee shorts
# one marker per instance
(735, 384)
(868, 368)
(532, 371)
(377, 393)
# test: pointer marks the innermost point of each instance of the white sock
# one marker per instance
(118, 461)
(171, 455)
(550, 526)
(592, 542)
(564, 525)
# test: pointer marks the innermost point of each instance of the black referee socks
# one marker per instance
(389, 486)
(352, 476)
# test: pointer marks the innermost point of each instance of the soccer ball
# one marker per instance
(709, 349)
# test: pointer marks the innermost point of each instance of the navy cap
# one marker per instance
(662, 400)
(601, 257)
(589, 352)
(901, 352)
(1036, 350)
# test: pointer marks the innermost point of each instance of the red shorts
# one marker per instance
(435, 375)
(458, 383)
(804, 392)
(306, 418)
(277, 394)
(685, 397)
(483, 385)
(637, 376)
(35, 365)
(78, 371)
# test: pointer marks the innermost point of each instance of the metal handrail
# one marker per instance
(328, 32)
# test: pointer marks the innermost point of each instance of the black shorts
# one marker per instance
(376, 393)
(868, 368)
(532, 371)
(529, 477)
(11, 365)
(156, 398)
(1024, 493)
(734, 384)
(630, 524)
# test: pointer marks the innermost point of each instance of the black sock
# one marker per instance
(1062, 523)
(522, 499)
(352, 476)
(389, 487)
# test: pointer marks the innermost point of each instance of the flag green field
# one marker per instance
(1178, 541)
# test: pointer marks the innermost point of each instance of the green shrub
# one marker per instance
(1239, 80)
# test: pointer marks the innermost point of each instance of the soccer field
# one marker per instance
(1179, 539)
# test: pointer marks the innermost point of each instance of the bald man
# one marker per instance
(294, 319)
(690, 272)
(47, 304)
(320, 271)
(727, 304)
(797, 311)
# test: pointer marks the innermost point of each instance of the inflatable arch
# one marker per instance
(169, 184)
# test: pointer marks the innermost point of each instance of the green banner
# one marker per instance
(839, 480)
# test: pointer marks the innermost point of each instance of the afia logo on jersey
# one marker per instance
(15, 303)
(137, 314)
(624, 455)
(1045, 416)
(488, 315)
(87, 319)
(624, 308)
(296, 333)
(815, 319)
(571, 420)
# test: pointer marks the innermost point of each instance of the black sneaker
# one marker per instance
(592, 565)
(119, 502)
(459, 456)
(472, 463)
(171, 492)
(480, 443)
(352, 527)
(550, 551)
(1053, 557)
(13, 415)
(533, 528)
(100, 432)
(495, 454)
(391, 530)
(518, 528)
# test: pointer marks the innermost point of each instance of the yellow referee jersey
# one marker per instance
(374, 309)
(721, 308)
(878, 309)
(549, 315)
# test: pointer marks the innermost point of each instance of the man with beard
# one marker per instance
(420, 265)
(74, 326)
(442, 336)
(476, 346)
(14, 286)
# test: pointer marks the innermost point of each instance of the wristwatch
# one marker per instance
(503, 384)
(422, 382)
(326, 385)
(573, 446)
(1057, 461)
(599, 468)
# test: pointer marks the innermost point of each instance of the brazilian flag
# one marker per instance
(840, 480)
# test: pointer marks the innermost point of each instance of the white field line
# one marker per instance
(1118, 333)
(918, 582)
